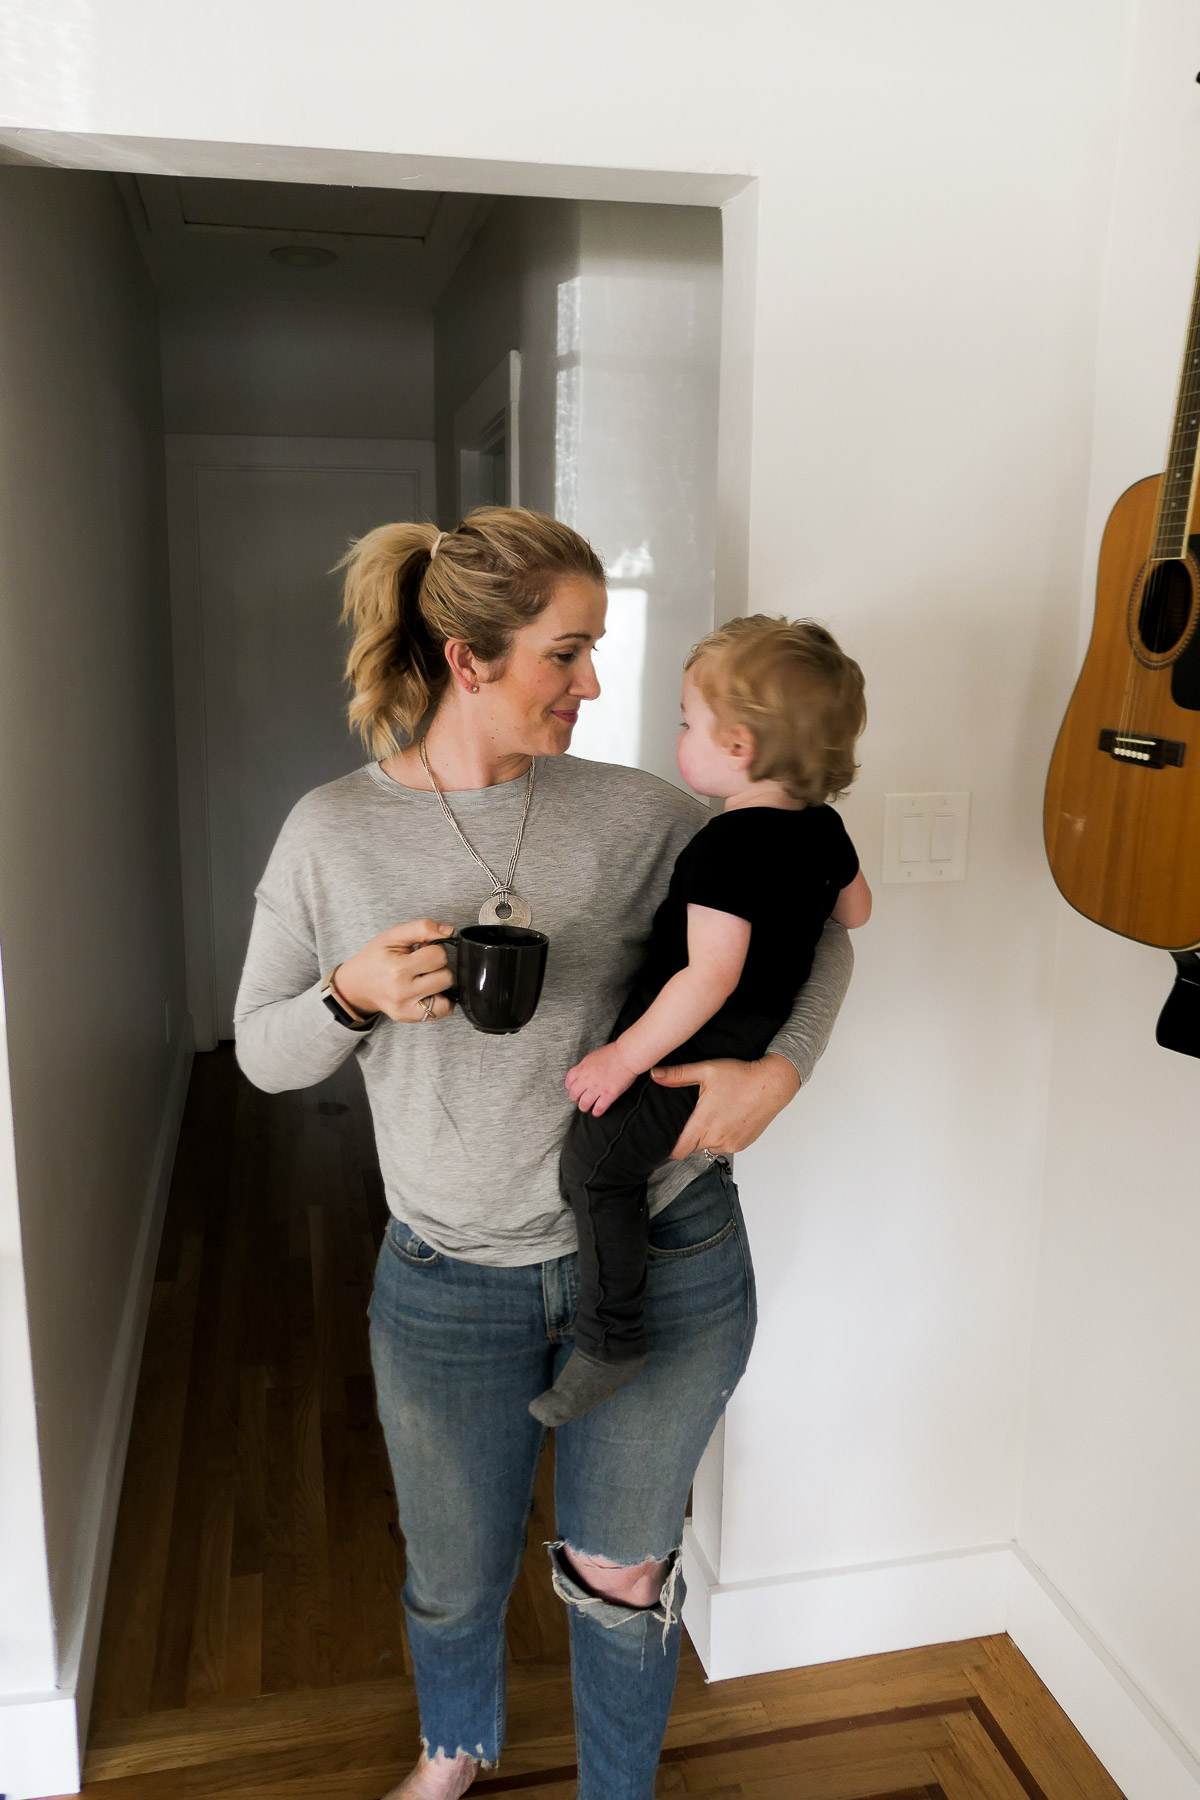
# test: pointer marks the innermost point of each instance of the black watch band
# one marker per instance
(329, 996)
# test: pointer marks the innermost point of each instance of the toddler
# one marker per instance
(771, 714)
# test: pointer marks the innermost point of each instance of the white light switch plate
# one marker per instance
(925, 836)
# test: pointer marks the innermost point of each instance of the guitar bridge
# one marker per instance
(1150, 752)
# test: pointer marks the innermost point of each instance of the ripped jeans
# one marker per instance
(459, 1350)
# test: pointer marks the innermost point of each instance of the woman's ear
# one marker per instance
(464, 670)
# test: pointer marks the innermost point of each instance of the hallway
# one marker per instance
(253, 1645)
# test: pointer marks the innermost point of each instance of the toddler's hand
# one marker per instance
(599, 1079)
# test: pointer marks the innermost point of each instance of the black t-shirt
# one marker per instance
(782, 871)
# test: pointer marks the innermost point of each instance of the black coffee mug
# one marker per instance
(498, 973)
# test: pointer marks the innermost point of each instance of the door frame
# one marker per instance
(186, 456)
(497, 396)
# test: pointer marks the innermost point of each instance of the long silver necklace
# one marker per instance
(505, 907)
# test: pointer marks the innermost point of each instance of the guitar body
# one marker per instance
(1122, 811)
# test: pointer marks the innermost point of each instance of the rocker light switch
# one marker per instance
(941, 837)
(914, 839)
(925, 836)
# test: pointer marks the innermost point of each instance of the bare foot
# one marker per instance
(441, 1779)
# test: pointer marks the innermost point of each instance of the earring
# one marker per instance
(475, 689)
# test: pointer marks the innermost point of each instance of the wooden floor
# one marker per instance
(253, 1647)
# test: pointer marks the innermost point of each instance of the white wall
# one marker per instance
(90, 929)
(933, 191)
(504, 296)
(299, 369)
(638, 371)
(615, 310)
(1112, 1493)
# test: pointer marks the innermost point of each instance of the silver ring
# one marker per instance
(428, 1013)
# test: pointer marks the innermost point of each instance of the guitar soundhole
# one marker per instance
(1166, 607)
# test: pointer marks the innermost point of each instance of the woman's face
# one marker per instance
(533, 701)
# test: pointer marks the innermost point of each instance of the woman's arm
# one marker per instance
(738, 1100)
(286, 1035)
(806, 1031)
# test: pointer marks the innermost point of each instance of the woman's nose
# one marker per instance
(585, 686)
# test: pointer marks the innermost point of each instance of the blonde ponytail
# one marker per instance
(394, 667)
(410, 589)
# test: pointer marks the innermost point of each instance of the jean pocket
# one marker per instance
(403, 1242)
(697, 1220)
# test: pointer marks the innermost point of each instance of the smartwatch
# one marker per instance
(343, 1016)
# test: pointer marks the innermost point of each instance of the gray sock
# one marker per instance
(583, 1383)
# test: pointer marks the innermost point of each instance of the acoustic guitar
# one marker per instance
(1122, 812)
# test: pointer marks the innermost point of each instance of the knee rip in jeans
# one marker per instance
(569, 1568)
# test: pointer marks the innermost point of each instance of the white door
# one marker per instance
(256, 528)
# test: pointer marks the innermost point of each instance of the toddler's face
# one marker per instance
(706, 764)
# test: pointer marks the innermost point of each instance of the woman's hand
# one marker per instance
(737, 1101)
(599, 1079)
(398, 971)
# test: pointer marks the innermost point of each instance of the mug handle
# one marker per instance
(451, 946)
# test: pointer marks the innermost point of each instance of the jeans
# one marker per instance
(606, 1165)
(459, 1350)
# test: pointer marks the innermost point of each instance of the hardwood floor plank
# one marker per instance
(768, 1756)
(242, 1675)
(1038, 1728)
(984, 1763)
(869, 1683)
(957, 1782)
(210, 1623)
(883, 1779)
(141, 1550)
(191, 1736)
(250, 1499)
(313, 1596)
(142, 1543)
(279, 1647)
(173, 1651)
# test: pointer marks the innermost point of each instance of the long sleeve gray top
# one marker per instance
(469, 1126)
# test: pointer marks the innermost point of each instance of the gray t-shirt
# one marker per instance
(469, 1126)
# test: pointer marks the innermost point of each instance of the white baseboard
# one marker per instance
(1146, 1758)
(750, 1627)
(39, 1745)
(42, 1736)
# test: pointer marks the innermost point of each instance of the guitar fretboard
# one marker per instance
(1175, 498)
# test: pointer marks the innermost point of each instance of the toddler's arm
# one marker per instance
(717, 946)
(853, 904)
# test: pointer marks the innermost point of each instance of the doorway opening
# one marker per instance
(331, 358)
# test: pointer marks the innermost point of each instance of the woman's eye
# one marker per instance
(565, 658)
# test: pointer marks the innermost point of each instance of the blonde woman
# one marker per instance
(471, 656)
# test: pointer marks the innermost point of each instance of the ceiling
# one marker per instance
(205, 238)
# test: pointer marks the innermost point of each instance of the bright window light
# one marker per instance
(610, 728)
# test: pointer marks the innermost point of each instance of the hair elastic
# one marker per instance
(437, 540)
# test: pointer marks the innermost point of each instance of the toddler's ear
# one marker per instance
(741, 746)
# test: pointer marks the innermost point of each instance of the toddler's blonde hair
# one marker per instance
(797, 693)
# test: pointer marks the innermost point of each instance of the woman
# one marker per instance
(471, 655)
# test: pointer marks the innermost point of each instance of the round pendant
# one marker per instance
(505, 908)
